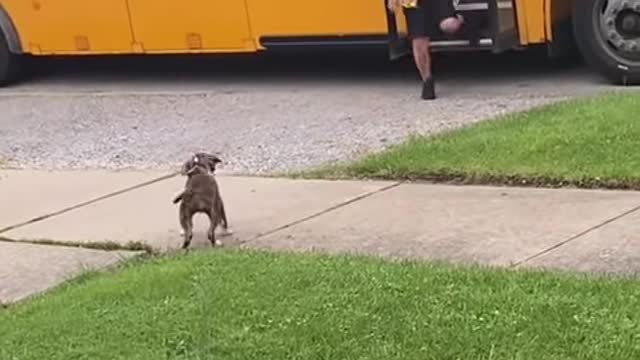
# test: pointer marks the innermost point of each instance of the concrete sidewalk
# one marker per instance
(27, 269)
(565, 229)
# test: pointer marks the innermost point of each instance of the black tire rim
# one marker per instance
(617, 24)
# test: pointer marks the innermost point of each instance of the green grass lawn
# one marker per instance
(591, 142)
(247, 305)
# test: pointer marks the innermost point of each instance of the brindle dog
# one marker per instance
(201, 195)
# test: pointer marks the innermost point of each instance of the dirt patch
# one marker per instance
(97, 245)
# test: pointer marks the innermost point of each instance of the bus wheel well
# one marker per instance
(563, 46)
(8, 31)
(10, 50)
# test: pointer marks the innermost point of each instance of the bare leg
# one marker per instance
(421, 56)
(452, 25)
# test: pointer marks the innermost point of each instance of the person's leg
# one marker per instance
(420, 39)
(422, 58)
(420, 49)
(431, 30)
(424, 51)
(444, 13)
(452, 23)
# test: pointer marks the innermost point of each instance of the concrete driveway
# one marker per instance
(261, 113)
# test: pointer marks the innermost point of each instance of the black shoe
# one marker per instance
(428, 89)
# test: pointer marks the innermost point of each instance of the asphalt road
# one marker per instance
(260, 113)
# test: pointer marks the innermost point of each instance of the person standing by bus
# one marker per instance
(426, 19)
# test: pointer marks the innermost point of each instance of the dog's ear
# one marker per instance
(188, 165)
(213, 161)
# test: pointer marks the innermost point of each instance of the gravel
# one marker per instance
(255, 132)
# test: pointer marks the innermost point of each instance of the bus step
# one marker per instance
(461, 45)
(471, 5)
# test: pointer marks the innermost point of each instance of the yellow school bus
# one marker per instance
(607, 32)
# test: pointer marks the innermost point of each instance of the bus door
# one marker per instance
(502, 21)
(399, 44)
(194, 25)
(504, 25)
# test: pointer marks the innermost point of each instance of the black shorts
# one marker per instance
(425, 19)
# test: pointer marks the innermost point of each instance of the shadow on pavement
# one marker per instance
(335, 65)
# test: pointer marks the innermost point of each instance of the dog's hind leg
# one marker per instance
(223, 217)
(213, 223)
(188, 235)
(187, 228)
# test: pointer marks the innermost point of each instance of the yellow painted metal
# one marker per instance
(71, 26)
(521, 17)
(548, 25)
(308, 18)
(194, 25)
(171, 26)
(531, 21)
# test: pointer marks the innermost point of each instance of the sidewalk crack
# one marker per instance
(575, 237)
(85, 203)
(320, 213)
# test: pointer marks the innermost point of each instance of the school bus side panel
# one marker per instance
(194, 25)
(307, 18)
(71, 26)
(531, 21)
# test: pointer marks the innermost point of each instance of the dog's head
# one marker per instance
(200, 162)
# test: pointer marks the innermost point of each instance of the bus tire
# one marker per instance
(617, 66)
(9, 64)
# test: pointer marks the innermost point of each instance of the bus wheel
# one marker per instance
(9, 64)
(607, 33)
